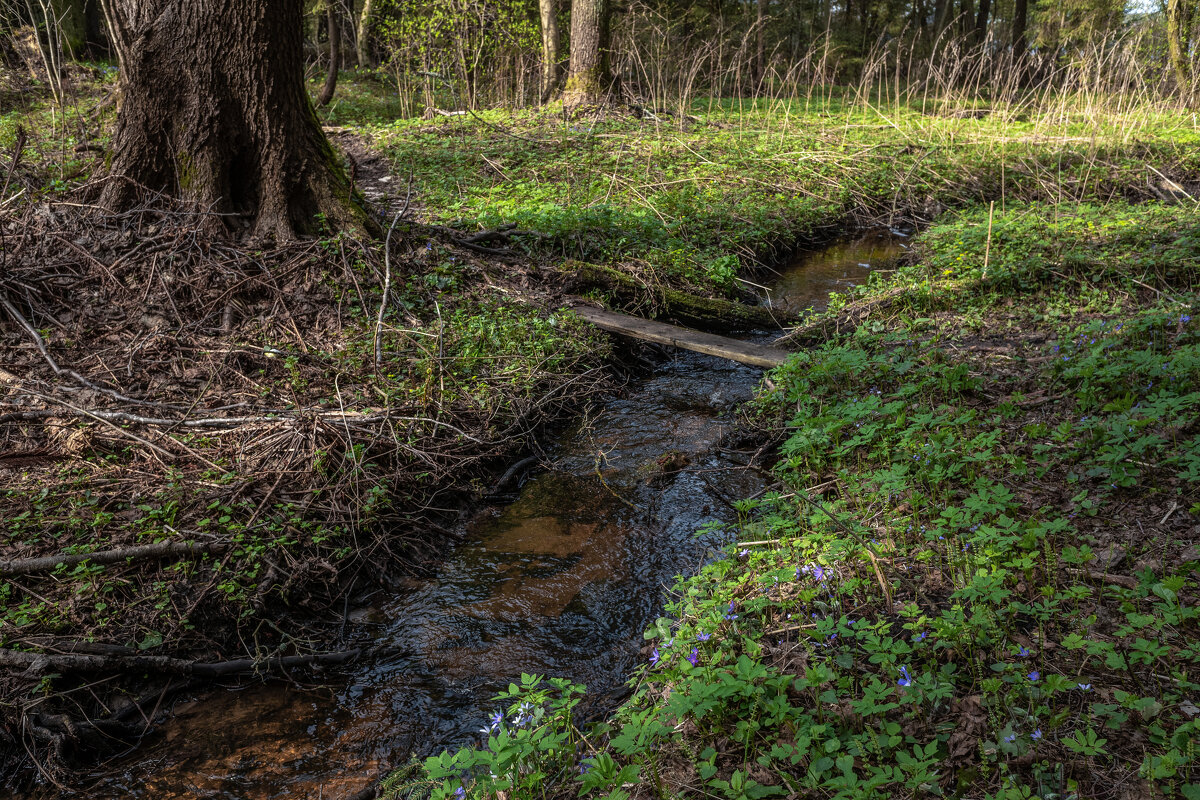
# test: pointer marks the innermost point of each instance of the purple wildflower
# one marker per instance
(654, 656)
(1034, 676)
(694, 657)
(906, 680)
(703, 637)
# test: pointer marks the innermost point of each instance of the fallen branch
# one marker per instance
(1107, 577)
(60, 371)
(23, 566)
(38, 663)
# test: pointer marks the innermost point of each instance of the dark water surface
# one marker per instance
(562, 581)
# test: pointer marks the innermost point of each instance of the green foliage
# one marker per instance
(996, 655)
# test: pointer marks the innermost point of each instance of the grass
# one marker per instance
(698, 201)
(973, 429)
(1015, 447)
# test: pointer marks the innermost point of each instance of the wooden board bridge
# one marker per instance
(756, 355)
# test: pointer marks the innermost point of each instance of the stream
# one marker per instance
(560, 581)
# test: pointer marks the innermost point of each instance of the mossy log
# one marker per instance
(704, 313)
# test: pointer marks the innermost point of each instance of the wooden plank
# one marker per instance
(755, 355)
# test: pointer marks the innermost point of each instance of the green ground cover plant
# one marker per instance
(977, 576)
(695, 201)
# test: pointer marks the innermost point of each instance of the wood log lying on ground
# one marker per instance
(23, 566)
(735, 350)
(38, 663)
(708, 313)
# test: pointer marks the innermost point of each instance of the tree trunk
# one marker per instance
(981, 21)
(941, 14)
(1020, 44)
(551, 45)
(1182, 20)
(364, 34)
(1020, 18)
(760, 43)
(589, 79)
(335, 56)
(214, 111)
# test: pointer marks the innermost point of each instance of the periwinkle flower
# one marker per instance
(1034, 676)
(1023, 652)
(1037, 734)
(906, 680)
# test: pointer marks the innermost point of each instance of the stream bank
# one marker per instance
(561, 580)
(980, 573)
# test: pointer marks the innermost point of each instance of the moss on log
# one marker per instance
(705, 313)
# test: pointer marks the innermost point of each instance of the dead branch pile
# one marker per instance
(196, 436)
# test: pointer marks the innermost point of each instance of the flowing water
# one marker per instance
(561, 581)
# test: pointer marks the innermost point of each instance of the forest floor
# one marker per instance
(978, 574)
(274, 441)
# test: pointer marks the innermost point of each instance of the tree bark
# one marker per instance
(335, 56)
(551, 47)
(1182, 21)
(215, 111)
(981, 21)
(365, 18)
(1020, 20)
(588, 80)
(941, 15)
(1020, 43)
(760, 42)
(966, 24)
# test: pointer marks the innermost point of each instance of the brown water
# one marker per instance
(811, 276)
(561, 581)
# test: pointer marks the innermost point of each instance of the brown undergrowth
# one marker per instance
(207, 447)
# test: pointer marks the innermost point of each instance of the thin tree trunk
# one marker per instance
(941, 13)
(1020, 44)
(981, 21)
(364, 34)
(335, 56)
(589, 79)
(215, 111)
(760, 43)
(551, 47)
(1181, 22)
